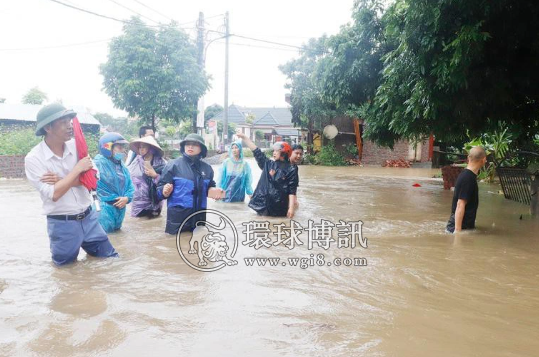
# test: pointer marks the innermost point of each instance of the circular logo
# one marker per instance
(208, 241)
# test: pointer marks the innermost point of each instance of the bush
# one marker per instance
(18, 142)
(329, 156)
(21, 141)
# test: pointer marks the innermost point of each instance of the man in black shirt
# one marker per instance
(466, 196)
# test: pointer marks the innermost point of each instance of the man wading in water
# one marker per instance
(466, 196)
(53, 169)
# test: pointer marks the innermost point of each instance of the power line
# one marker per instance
(98, 15)
(157, 12)
(133, 11)
(260, 40)
(266, 47)
(266, 41)
(257, 46)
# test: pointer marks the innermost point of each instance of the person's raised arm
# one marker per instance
(260, 157)
(246, 141)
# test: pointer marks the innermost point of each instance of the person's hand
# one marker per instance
(290, 213)
(84, 165)
(216, 193)
(272, 172)
(167, 190)
(149, 171)
(50, 178)
(121, 202)
(241, 135)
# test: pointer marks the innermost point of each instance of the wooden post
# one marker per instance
(358, 139)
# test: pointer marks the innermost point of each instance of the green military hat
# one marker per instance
(196, 138)
(50, 113)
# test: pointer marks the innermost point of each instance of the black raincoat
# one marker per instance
(271, 194)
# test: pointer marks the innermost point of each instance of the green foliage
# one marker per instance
(250, 118)
(153, 73)
(231, 129)
(212, 111)
(21, 141)
(418, 67)
(34, 96)
(259, 135)
(93, 144)
(496, 145)
(18, 142)
(309, 109)
(351, 150)
(329, 156)
(2, 100)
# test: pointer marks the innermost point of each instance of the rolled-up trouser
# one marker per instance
(68, 236)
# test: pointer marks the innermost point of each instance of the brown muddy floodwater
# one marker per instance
(423, 292)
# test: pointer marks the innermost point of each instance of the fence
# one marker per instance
(516, 184)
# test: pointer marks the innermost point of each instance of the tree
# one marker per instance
(34, 96)
(449, 67)
(457, 67)
(154, 73)
(231, 129)
(2, 100)
(309, 109)
(212, 111)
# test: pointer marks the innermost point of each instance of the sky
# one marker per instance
(59, 49)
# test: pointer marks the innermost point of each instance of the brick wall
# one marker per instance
(12, 166)
(376, 155)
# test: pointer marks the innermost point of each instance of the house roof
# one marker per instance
(28, 112)
(267, 119)
(238, 115)
(287, 132)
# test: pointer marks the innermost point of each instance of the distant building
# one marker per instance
(275, 124)
(20, 116)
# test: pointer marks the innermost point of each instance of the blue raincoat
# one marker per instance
(114, 181)
(192, 179)
(236, 178)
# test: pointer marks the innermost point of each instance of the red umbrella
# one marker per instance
(87, 178)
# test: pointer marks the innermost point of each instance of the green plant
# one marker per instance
(329, 156)
(351, 150)
(496, 145)
(18, 142)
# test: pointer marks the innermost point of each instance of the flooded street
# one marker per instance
(423, 292)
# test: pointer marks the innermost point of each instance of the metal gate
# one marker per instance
(516, 184)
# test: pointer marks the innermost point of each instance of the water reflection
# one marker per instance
(422, 290)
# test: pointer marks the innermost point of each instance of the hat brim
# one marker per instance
(134, 146)
(203, 148)
(40, 131)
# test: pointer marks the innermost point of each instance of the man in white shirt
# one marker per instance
(53, 169)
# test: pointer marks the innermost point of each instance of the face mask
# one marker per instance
(119, 156)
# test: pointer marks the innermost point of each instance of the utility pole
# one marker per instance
(225, 123)
(199, 103)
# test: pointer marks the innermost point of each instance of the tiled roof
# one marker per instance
(238, 114)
